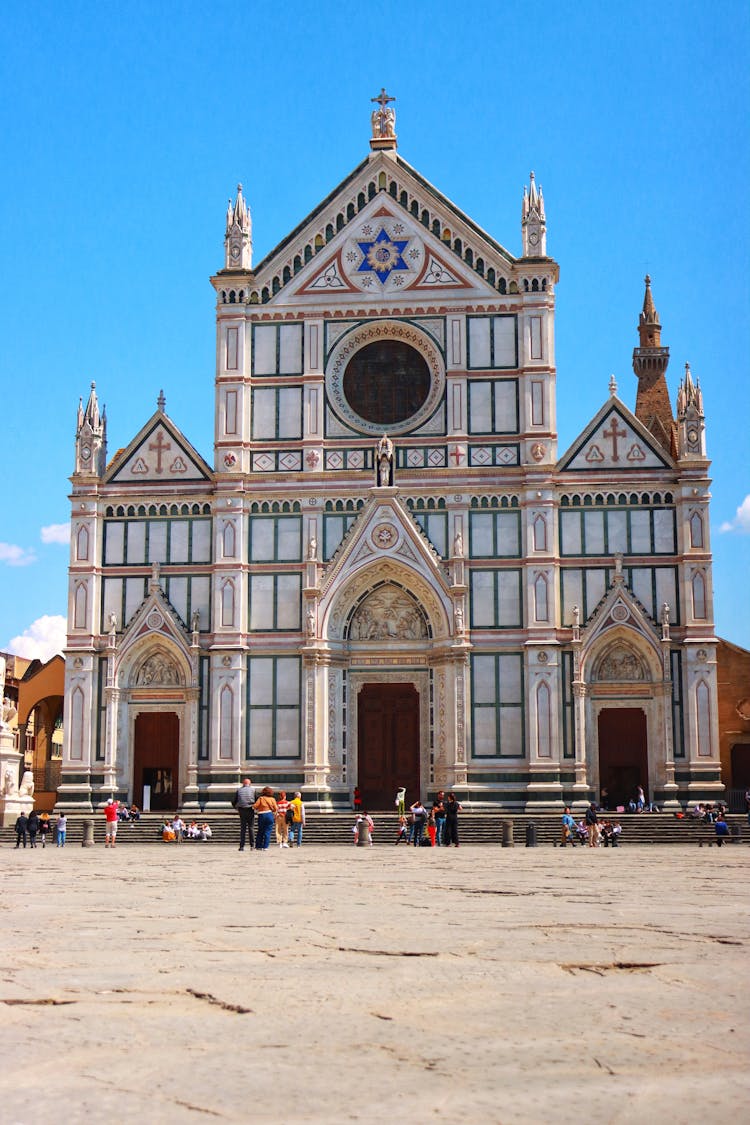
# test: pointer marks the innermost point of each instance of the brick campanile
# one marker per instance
(650, 359)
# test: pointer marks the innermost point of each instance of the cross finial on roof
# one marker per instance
(383, 98)
(161, 402)
(383, 122)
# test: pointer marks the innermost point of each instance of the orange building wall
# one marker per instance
(733, 676)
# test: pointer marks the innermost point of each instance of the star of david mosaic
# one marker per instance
(383, 256)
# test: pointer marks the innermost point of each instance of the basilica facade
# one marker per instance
(388, 574)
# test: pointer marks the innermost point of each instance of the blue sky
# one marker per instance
(126, 127)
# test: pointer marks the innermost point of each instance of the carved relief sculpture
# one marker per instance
(620, 664)
(158, 670)
(388, 614)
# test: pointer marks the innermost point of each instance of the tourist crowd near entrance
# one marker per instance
(388, 574)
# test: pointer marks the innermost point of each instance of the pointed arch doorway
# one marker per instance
(388, 743)
(156, 759)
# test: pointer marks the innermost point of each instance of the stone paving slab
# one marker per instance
(377, 985)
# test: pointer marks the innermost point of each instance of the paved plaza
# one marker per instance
(376, 985)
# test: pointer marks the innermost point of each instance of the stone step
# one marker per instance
(475, 828)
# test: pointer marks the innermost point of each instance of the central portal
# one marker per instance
(156, 759)
(388, 744)
(623, 756)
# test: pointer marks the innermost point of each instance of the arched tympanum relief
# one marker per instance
(388, 613)
(619, 662)
(158, 670)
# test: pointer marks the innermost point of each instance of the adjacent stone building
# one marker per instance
(389, 574)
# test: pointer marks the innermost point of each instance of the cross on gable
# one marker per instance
(159, 446)
(614, 433)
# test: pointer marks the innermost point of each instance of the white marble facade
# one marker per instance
(387, 523)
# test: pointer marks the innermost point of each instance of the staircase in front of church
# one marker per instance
(476, 829)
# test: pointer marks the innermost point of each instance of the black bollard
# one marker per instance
(507, 833)
(736, 833)
(531, 835)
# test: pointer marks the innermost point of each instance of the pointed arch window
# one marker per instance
(696, 530)
(82, 544)
(540, 533)
(227, 604)
(699, 596)
(226, 723)
(543, 721)
(229, 541)
(703, 719)
(80, 606)
(541, 600)
(76, 725)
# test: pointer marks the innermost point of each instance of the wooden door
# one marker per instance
(623, 756)
(388, 746)
(156, 759)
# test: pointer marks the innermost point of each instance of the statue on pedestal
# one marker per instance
(384, 458)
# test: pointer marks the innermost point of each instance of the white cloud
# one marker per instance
(42, 640)
(12, 555)
(741, 521)
(56, 533)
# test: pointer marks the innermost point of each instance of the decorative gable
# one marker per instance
(156, 650)
(614, 441)
(159, 454)
(384, 528)
(382, 253)
(384, 192)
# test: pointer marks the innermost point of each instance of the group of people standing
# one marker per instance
(28, 827)
(440, 821)
(273, 812)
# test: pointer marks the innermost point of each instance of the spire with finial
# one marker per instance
(161, 402)
(612, 385)
(649, 328)
(650, 360)
(691, 422)
(91, 436)
(238, 238)
(533, 221)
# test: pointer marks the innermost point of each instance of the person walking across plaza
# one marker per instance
(61, 830)
(298, 820)
(244, 802)
(33, 827)
(44, 826)
(265, 807)
(567, 834)
(592, 825)
(110, 824)
(21, 826)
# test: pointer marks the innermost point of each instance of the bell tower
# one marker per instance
(91, 438)
(650, 360)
